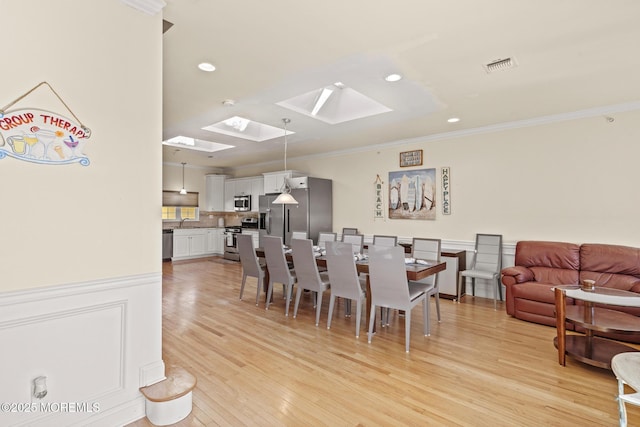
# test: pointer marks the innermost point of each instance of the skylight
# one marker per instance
(195, 144)
(334, 104)
(241, 127)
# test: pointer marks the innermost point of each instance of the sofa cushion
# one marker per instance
(611, 266)
(556, 263)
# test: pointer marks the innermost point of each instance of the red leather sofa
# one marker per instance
(541, 265)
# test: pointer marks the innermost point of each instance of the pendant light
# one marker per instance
(183, 191)
(285, 197)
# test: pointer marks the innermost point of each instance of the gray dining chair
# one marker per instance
(298, 235)
(390, 288)
(380, 240)
(423, 249)
(251, 266)
(309, 278)
(486, 264)
(349, 230)
(325, 236)
(279, 271)
(357, 240)
(345, 281)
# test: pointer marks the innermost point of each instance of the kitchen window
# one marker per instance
(178, 213)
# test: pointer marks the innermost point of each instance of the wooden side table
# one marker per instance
(586, 348)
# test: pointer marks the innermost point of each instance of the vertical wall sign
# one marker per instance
(446, 190)
(42, 136)
(378, 204)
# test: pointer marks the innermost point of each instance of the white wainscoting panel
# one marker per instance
(90, 341)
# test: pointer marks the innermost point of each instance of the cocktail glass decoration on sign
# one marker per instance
(412, 194)
(42, 136)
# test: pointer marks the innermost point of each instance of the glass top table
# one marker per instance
(587, 348)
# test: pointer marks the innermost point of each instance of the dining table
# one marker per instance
(415, 271)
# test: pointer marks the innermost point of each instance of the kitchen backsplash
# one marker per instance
(210, 219)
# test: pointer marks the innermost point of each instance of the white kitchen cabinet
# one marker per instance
(215, 194)
(189, 243)
(257, 190)
(229, 193)
(250, 186)
(243, 186)
(274, 181)
(215, 241)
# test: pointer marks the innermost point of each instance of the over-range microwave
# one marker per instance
(242, 203)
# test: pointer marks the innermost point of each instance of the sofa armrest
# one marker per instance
(517, 274)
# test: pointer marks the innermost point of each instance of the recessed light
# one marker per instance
(453, 119)
(393, 77)
(205, 66)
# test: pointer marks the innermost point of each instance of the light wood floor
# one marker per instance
(479, 367)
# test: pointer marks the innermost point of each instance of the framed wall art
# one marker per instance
(412, 194)
(410, 158)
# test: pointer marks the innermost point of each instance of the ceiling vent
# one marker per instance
(500, 64)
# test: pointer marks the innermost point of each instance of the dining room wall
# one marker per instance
(81, 281)
(571, 180)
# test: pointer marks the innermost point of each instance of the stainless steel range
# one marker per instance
(231, 243)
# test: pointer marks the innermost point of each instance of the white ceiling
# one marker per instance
(571, 55)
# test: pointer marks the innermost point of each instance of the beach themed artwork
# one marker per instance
(412, 194)
(42, 136)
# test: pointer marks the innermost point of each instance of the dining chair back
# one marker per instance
(357, 240)
(380, 240)
(486, 264)
(298, 235)
(304, 262)
(349, 230)
(325, 236)
(391, 289)
(344, 278)
(250, 264)
(279, 271)
(423, 249)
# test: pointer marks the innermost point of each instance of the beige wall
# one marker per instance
(573, 180)
(70, 223)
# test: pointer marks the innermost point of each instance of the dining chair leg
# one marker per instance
(407, 329)
(495, 296)
(332, 301)
(269, 292)
(372, 319)
(473, 286)
(318, 307)
(258, 286)
(244, 280)
(288, 298)
(622, 410)
(460, 279)
(426, 328)
(358, 317)
(295, 307)
(436, 296)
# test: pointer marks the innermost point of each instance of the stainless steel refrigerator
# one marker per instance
(312, 214)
